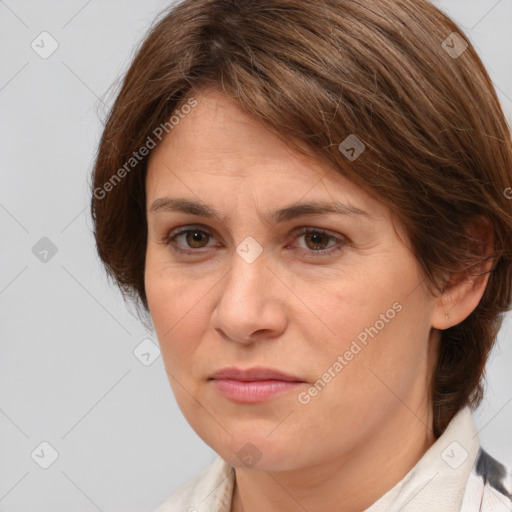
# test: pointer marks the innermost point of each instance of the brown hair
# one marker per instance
(438, 148)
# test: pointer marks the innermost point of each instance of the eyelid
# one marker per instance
(168, 238)
(297, 232)
(340, 239)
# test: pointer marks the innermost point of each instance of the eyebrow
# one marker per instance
(278, 215)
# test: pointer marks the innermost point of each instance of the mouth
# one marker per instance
(253, 385)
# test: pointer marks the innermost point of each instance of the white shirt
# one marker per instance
(454, 475)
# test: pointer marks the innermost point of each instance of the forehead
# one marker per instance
(218, 150)
(217, 132)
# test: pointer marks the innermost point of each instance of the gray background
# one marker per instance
(68, 372)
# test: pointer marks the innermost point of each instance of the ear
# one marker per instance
(463, 290)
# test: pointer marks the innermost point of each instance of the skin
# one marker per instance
(371, 423)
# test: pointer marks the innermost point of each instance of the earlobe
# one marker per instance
(461, 295)
(459, 301)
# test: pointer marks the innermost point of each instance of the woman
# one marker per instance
(309, 201)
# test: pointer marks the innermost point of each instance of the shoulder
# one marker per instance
(210, 490)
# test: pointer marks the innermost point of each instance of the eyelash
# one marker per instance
(169, 238)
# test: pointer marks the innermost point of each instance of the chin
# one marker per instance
(259, 452)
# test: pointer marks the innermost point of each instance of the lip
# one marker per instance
(253, 385)
(254, 374)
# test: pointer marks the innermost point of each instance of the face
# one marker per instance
(334, 300)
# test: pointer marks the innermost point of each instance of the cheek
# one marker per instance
(353, 304)
(379, 321)
(178, 316)
(175, 307)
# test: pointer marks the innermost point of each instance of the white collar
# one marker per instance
(438, 480)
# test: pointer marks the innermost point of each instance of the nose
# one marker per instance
(251, 303)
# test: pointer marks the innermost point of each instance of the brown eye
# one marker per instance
(195, 238)
(318, 240)
(192, 240)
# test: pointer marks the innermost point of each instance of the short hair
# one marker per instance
(397, 74)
